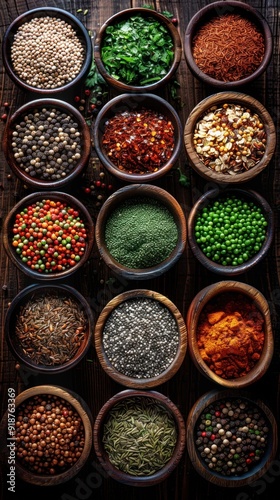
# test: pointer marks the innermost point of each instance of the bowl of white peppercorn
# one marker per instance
(231, 437)
(140, 338)
(47, 51)
(47, 144)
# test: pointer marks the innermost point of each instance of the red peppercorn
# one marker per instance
(87, 92)
(174, 20)
(87, 190)
(4, 117)
(6, 104)
(97, 183)
(77, 98)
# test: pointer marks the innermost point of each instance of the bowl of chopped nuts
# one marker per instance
(230, 333)
(62, 55)
(48, 328)
(231, 437)
(228, 44)
(122, 423)
(229, 138)
(138, 137)
(125, 62)
(155, 341)
(47, 143)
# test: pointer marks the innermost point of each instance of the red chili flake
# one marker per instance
(139, 141)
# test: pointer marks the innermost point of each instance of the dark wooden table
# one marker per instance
(180, 284)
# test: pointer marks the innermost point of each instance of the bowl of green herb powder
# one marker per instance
(140, 231)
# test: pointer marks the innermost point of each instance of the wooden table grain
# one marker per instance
(180, 284)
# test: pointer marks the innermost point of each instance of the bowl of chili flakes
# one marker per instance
(138, 138)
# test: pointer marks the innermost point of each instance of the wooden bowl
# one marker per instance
(84, 413)
(216, 194)
(65, 16)
(130, 103)
(140, 191)
(257, 470)
(197, 306)
(55, 196)
(218, 100)
(216, 10)
(102, 455)
(146, 14)
(40, 293)
(38, 182)
(110, 367)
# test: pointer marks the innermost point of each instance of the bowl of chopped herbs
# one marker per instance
(138, 49)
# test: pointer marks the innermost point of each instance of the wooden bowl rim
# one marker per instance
(40, 289)
(47, 11)
(219, 268)
(141, 190)
(214, 7)
(141, 383)
(198, 304)
(56, 195)
(232, 97)
(226, 481)
(128, 13)
(134, 101)
(102, 456)
(36, 182)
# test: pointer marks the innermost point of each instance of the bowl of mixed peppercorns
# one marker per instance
(229, 138)
(138, 138)
(47, 51)
(231, 438)
(47, 143)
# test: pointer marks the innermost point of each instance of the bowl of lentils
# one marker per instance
(53, 435)
(139, 437)
(47, 143)
(140, 231)
(47, 51)
(230, 230)
(228, 44)
(230, 333)
(48, 236)
(231, 438)
(48, 328)
(140, 339)
(138, 138)
(137, 50)
(229, 138)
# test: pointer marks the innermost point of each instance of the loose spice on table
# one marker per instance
(138, 141)
(228, 47)
(230, 334)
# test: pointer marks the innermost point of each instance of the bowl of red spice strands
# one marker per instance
(48, 328)
(228, 44)
(138, 138)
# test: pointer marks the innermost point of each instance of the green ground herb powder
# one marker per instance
(141, 233)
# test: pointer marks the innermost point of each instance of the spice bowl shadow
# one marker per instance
(240, 143)
(244, 230)
(117, 123)
(80, 34)
(62, 401)
(154, 342)
(141, 412)
(220, 410)
(232, 351)
(156, 25)
(42, 154)
(49, 328)
(132, 240)
(215, 67)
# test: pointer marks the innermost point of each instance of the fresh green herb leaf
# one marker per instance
(183, 179)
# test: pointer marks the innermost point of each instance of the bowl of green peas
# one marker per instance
(230, 230)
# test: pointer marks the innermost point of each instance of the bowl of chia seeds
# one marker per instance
(140, 339)
(231, 438)
(140, 231)
(139, 437)
(47, 51)
(47, 143)
(48, 328)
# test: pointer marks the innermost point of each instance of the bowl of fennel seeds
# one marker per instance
(48, 328)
